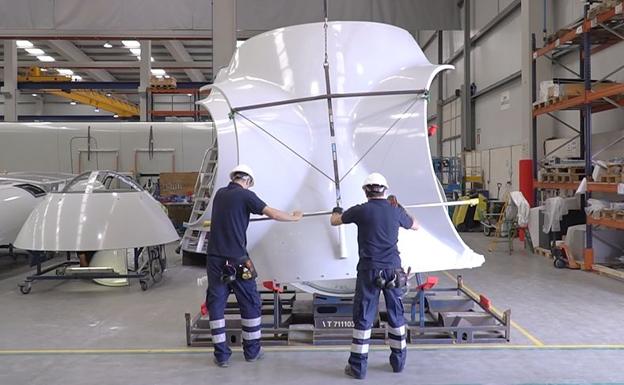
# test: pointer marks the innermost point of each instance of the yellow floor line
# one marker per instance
(8, 352)
(514, 324)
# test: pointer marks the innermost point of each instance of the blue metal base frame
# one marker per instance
(429, 326)
(147, 274)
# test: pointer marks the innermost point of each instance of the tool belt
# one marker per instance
(397, 280)
(244, 270)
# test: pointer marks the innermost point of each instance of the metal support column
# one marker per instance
(440, 102)
(9, 90)
(145, 74)
(534, 118)
(589, 253)
(468, 131)
(223, 33)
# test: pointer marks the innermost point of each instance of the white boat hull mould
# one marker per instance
(15, 206)
(289, 146)
(90, 215)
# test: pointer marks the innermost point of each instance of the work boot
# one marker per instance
(221, 364)
(349, 372)
(258, 357)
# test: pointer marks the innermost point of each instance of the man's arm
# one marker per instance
(407, 220)
(415, 225)
(282, 216)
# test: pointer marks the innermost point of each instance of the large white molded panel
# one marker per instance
(290, 151)
(88, 215)
(58, 145)
(15, 206)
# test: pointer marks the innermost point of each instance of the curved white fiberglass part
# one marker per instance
(111, 258)
(95, 218)
(15, 206)
(385, 134)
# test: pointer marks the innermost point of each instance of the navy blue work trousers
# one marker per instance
(365, 305)
(250, 304)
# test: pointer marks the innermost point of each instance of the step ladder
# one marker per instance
(195, 236)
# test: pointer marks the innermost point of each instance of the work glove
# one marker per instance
(337, 210)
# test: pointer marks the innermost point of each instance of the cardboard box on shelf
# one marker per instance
(177, 183)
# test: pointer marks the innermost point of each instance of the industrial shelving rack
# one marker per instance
(592, 34)
(195, 111)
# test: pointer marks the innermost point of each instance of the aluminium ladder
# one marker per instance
(195, 235)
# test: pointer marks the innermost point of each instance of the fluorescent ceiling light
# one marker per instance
(35, 51)
(64, 71)
(34, 95)
(131, 43)
(45, 58)
(135, 51)
(107, 45)
(23, 44)
(158, 72)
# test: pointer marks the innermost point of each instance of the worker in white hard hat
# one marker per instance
(228, 265)
(378, 271)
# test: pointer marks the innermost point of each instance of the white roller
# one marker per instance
(288, 147)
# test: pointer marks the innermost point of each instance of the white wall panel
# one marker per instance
(482, 12)
(497, 55)
(497, 126)
(566, 12)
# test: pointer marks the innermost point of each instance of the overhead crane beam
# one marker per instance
(92, 98)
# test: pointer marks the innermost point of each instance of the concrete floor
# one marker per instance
(567, 330)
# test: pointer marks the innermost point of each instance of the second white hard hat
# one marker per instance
(375, 178)
(243, 168)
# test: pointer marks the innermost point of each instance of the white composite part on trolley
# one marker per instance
(289, 147)
(98, 210)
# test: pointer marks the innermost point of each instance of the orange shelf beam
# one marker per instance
(556, 185)
(602, 187)
(588, 97)
(610, 223)
(584, 27)
(179, 113)
(178, 91)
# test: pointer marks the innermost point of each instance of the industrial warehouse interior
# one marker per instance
(311, 191)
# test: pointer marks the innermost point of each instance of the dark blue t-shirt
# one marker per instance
(231, 208)
(378, 232)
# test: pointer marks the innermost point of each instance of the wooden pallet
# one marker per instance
(550, 101)
(611, 178)
(543, 252)
(562, 177)
(163, 86)
(567, 169)
(615, 271)
(617, 215)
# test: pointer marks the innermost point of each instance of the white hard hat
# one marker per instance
(375, 178)
(243, 168)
